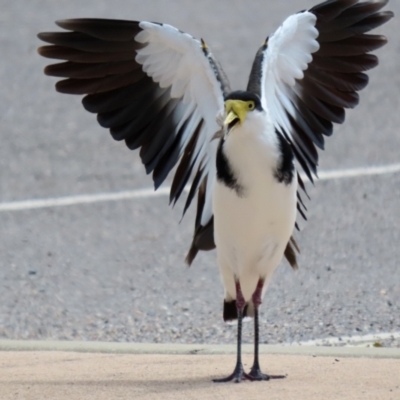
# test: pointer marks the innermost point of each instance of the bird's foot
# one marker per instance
(238, 375)
(256, 375)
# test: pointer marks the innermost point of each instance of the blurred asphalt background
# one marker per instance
(114, 271)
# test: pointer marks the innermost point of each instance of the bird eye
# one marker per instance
(251, 105)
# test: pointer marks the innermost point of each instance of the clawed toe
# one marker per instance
(237, 376)
(257, 375)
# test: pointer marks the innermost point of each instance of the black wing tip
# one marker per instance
(62, 86)
(72, 23)
(45, 36)
(290, 253)
(330, 9)
(388, 15)
(42, 50)
(49, 69)
(114, 30)
(65, 23)
(191, 254)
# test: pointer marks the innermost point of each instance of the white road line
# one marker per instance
(149, 192)
(356, 172)
(351, 340)
(83, 199)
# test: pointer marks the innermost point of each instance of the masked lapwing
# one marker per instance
(162, 91)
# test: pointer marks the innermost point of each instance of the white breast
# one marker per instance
(252, 230)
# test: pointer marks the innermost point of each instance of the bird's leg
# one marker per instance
(238, 373)
(255, 372)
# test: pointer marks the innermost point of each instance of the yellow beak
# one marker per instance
(235, 109)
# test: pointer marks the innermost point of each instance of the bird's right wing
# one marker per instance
(154, 87)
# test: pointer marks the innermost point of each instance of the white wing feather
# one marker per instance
(288, 54)
(176, 61)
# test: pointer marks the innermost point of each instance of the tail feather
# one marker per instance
(230, 310)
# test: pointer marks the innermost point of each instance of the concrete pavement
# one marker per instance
(94, 370)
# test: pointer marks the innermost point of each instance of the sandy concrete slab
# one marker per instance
(364, 351)
(71, 375)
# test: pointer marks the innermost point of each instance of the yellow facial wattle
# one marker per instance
(237, 109)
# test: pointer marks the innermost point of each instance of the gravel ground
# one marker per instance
(114, 271)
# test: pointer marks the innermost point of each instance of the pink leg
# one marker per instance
(240, 302)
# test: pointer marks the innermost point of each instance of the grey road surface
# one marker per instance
(114, 271)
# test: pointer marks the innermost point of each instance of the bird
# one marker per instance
(241, 153)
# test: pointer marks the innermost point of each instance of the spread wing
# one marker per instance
(154, 87)
(310, 70)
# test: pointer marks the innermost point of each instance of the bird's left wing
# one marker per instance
(311, 69)
(154, 87)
